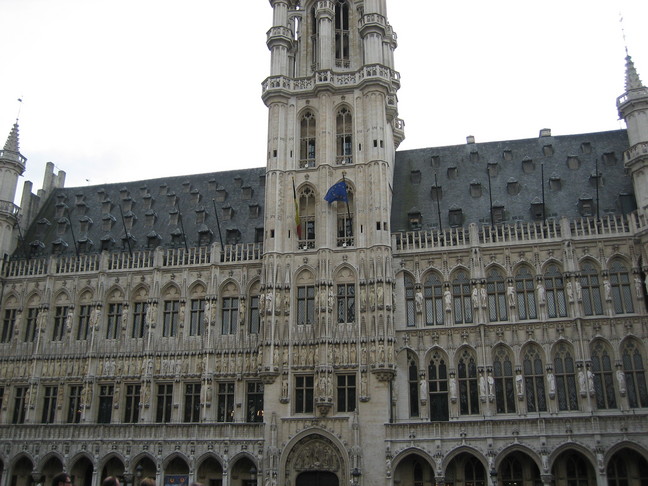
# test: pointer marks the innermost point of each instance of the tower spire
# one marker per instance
(632, 81)
(12, 144)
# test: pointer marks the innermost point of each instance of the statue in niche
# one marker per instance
(363, 298)
(453, 389)
(475, 297)
(483, 391)
(582, 383)
(620, 375)
(447, 299)
(570, 292)
(551, 380)
(608, 289)
(542, 293)
(372, 298)
(638, 288)
(286, 303)
(491, 387)
(418, 299)
(331, 300)
(510, 293)
(484, 297)
(519, 385)
(423, 389)
(579, 291)
(380, 295)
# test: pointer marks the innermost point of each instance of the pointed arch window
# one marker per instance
(591, 290)
(525, 291)
(346, 303)
(565, 374)
(344, 137)
(621, 291)
(412, 370)
(474, 472)
(345, 212)
(467, 376)
(438, 388)
(433, 298)
(635, 374)
(461, 298)
(307, 140)
(410, 301)
(307, 218)
(496, 288)
(504, 381)
(254, 318)
(533, 370)
(555, 292)
(342, 34)
(603, 377)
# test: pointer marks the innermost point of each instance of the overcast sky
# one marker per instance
(118, 90)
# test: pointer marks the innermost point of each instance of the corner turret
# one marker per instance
(12, 166)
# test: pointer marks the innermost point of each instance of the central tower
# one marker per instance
(327, 283)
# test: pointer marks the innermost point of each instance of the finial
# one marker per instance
(20, 100)
(623, 34)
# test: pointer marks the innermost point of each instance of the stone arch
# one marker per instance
(544, 266)
(12, 299)
(82, 469)
(197, 287)
(314, 450)
(229, 287)
(427, 355)
(496, 266)
(140, 292)
(521, 448)
(626, 444)
(171, 290)
(456, 269)
(22, 466)
(176, 460)
(572, 446)
(33, 299)
(241, 464)
(405, 465)
(209, 466)
(147, 461)
(62, 297)
(565, 453)
(344, 273)
(115, 293)
(113, 464)
(461, 452)
(48, 457)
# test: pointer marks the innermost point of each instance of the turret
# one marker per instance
(633, 108)
(12, 166)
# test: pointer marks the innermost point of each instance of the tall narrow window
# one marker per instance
(410, 301)
(343, 136)
(131, 406)
(8, 324)
(474, 472)
(533, 370)
(591, 290)
(345, 212)
(225, 411)
(433, 298)
(467, 376)
(106, 394)
(306, 199)
(342, 34)
(438, 388)
(504, 381)
(635, 374)
(31, 324)
(621, 290)
(192, 402)
(413, 379)
(304, 394)
(113, 321)
(461, 298)
(555, 292)
(74, 404)
(83, 324)
(307, 141)
(346, 303)
(60, 316)
(254, 409)
(139, 319)
(496, 288)
(164, 403)
(197, 317)
(20, 405)
(525, 292)
(603, 377)
(50, 394)
(229, 315)
(170, 318)
(255, 316)
(565, 374)
(306, 305)
(346, 393)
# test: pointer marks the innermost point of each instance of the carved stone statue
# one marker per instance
(510, 293)
(447, 299)
(620, 375)
(542, 294)
(418, 299)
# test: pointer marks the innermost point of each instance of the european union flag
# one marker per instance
(337, 192)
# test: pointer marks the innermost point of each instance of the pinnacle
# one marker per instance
(12, 143)
(632, 77)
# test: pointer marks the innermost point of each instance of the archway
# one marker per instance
(51, 468)
(114, 467)
(244, 473)
(627, 468)
(465, 470)
(21, 472)
(518, 469)
(176, 473)
(210, 472)
(143, 468)
(572, 467)
(81, 472)
(414, 470)
(314, 460)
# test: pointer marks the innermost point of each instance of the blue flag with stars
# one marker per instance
(337, 192)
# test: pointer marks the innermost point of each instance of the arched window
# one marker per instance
(461, 298)
(591, 290)
(635, 374)
(603, 376)
(525, 290)
(412, 370)
(504, 381)
(139, 310)
(410, 301)
(467, 376)
(307, 141)
(254, 319)
(314, 34)
(496, 288)
(555, 292)
(565, 375)
(433, 298)
(342, 34)
(627, 468)
(229, 309)
(534, 384)
(344, 137)
(438, 387)
(345, 212)
(197, 311)
(306, 201)
(621, 291)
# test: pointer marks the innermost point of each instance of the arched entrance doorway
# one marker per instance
(465, 470)
(518, 469)
(81, 472)
(21, 472)
(627, 468)
(315, 460)
(571, 467)
(414, 470)
(317, 478)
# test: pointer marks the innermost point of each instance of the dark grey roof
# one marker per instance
(153, 212)
(569, 164)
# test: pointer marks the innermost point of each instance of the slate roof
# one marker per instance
(155, 212)
(515, 167)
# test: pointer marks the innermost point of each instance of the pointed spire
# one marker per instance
(632, 77)
(12, 143)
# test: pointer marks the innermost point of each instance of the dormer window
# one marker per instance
(173, 217)
(150, 216)
(537, 211)
(79, 198)
(129, 220)
(255, 210)
(61, 226)
(415, 220)
(548, 150)
(152, 240)
(498, 214)
(186, 187)
(586, 147)
(455, 217)
(573, 162)
(436, 192)
(84, 224)
(60, 209)
(205, 236)
(171, 199)
(128, 241)
(415, 177)
(474, 156)
(228, 213)
(221, 194)
(493, 169)
(148, 201)
(123, 193)
(59, 246)
(436, 161)
(233, 237)
(475, 189)
(200, 215)
(507, 155)
(195, 196)
(555, 183)
(513, 187)
(42, 225)
(107, 222)
(527, 165)
(586, 207)
(163, 189)
(212, 184)
(609, 158)
(106, 206)
(176, 237)
(127, 204)
(247, 193)
(85, 245)
(107, 243)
